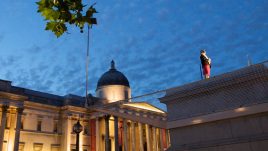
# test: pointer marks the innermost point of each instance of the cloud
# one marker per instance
(34, 49)
(163, 13)
(9, 61)
(155, 44)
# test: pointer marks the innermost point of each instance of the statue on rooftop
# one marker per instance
(206, 63)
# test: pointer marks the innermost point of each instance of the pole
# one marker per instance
(77, 142)
(87, 62)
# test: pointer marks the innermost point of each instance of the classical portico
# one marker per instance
(122, 124)
(129, 128)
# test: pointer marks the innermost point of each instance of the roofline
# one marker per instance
(230, 78)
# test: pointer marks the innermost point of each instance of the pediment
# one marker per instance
(143, 106)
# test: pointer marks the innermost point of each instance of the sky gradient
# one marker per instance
(155, 43)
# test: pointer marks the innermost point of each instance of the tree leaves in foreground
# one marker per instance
(59, 13)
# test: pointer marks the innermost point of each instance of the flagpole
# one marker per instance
(87, 62)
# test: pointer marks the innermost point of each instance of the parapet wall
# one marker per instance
(226, 112)
(241, 88)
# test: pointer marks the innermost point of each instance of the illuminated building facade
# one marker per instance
(37, 121)
(228, 112)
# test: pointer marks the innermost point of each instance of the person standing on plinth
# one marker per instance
(206, 63)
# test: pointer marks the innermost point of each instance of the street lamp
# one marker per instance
(77, 128)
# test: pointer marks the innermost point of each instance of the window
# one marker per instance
(55, 147)
(55, 127)
(39, 125)
(73, 147)
(37, 146)
(100, 94)
(86, 132)
(21, 146)
(7, 125)
(21, 125)
(126, 94)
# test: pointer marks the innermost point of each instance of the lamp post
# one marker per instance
(77, 129)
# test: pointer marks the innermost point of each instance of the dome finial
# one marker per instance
(112, 64)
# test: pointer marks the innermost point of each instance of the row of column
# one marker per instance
(3, 126)
(153, 143)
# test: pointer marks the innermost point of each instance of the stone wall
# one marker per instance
(228, 112)
(249, 132)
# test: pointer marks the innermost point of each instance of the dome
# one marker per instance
(113, 77)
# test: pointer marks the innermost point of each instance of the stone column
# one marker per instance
(157, 138)
(3, 125)
(116, 145)
(81, 140)
(161, 139)
(164, 138)
(148, 139)
(66, 132)
(154, 139)
(18, 126)
(97, 134)
(107, 134)
(11, 135)
(133, 136)
(167, 138)
(125, 142)
(140, 136)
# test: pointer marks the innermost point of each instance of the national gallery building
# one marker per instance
(37, 121)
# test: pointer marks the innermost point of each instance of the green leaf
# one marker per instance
(90, 12)
(59, 13)
(57, 28)
(50, 14)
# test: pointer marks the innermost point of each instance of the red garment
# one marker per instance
(206, 69)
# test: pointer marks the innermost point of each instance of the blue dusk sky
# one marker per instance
(155, 43)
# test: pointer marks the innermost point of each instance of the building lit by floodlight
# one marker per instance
(37, 121)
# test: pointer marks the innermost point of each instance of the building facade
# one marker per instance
(228, 112)
(37, 121)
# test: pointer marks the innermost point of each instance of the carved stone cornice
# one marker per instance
(150, 118)
(12, 96)
(40, 107)
(75, 109)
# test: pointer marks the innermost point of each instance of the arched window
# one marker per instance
(126, 94)
(100, 94)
